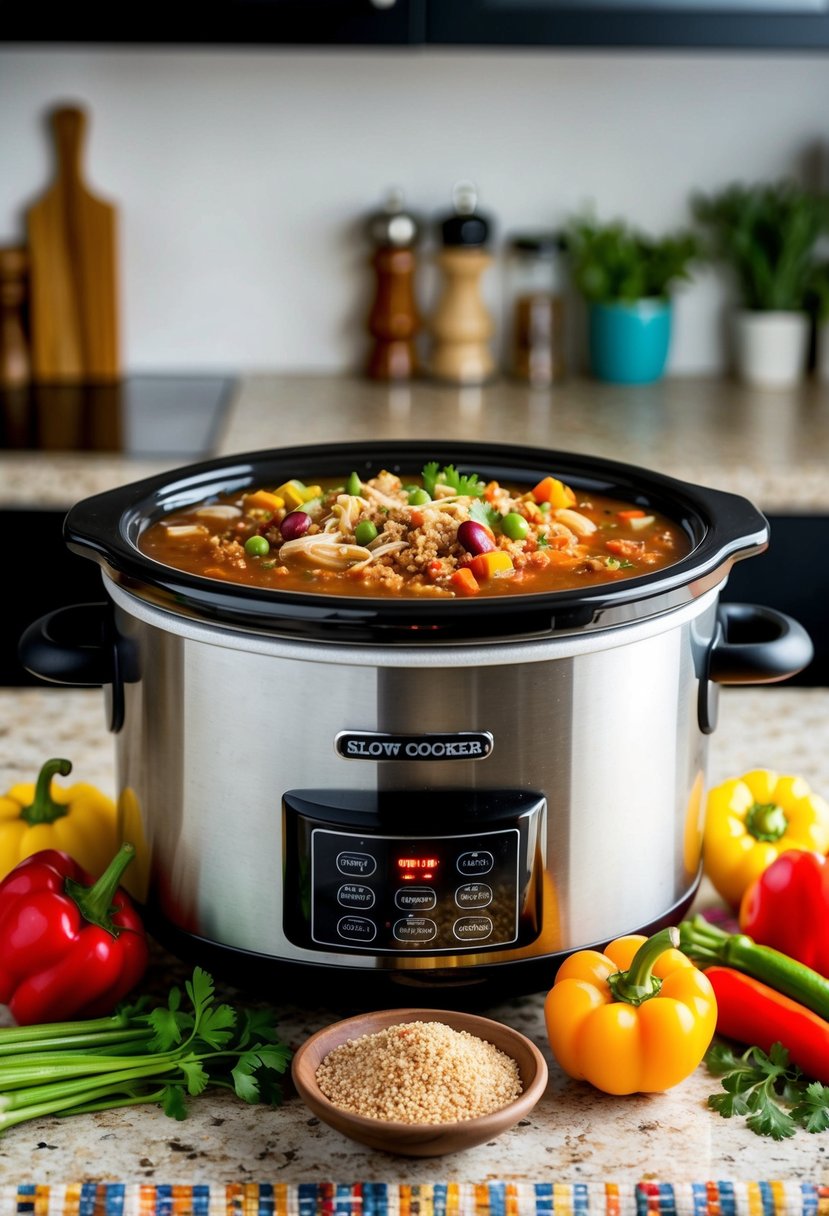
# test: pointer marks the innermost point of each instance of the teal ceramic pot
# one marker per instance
(629, 342)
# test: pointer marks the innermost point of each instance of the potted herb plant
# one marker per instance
(625, 277)
(767, 235)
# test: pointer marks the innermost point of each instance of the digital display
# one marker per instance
(410, 868)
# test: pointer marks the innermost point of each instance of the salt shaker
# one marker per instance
(393, 320)
(461, 325)
(535, 321)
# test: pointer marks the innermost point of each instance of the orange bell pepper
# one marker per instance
(637, 1018)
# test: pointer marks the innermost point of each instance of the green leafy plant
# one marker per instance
(137, 1056)
(767, 234)
(612, 262)
(774, 1096)
(817, 291)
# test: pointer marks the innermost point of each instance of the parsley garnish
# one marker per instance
(483, 513)
(467, 485)
(771, 1092)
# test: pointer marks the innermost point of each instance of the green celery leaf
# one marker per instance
(173, 1103)
(245, 1082)
(195, 1073)
(200, 991)
(215, 1026)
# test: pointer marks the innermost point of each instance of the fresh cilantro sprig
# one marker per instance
(467, 485)
(769, 1090)
(483, 513)
(160, 1055)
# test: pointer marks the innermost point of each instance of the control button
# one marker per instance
(473, 895)
(354, 895)
(415, 929)
(356, 929)
(359, 864)
(414, 899)
(472, 928)
(475, 863)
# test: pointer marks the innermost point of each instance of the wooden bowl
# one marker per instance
(419, 1139)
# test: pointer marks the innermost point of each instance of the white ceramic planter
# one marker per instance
(771, 348)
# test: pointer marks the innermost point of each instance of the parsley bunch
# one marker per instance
(138, 1056)
(771, 1092)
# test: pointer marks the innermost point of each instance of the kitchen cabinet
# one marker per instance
(750, 24)
(217, 22)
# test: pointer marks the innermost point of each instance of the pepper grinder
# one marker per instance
(461, 325)
(393, 321)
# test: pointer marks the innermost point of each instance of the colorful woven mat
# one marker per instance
(424, 1199)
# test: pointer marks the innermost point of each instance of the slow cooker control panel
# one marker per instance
(386, 884)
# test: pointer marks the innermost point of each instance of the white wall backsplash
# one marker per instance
(242, 175)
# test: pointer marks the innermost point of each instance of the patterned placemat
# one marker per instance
(424, 1199)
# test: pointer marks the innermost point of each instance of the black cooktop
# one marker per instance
(141, 416)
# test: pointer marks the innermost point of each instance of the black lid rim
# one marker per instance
(723, 527)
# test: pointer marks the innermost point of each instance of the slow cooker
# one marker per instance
(361, 794)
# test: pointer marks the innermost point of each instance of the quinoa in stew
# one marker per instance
(443, 534)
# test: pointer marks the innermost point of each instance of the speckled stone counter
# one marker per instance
(574, 1133)
(770, 445)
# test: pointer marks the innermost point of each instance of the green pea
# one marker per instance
(418, 498)
(353, 485)
(545, 507)
(365, 532)
(514, 526)
(257, 546)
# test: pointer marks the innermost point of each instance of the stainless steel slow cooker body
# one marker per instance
(431, 794)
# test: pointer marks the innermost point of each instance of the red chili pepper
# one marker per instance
(755, 1014)
(69, 946)
(787, 907)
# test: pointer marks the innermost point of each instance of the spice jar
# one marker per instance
(535, 308)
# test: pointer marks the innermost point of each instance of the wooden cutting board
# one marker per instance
(73, 307)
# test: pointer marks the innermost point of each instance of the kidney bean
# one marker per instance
(474, 537)
(294, 525)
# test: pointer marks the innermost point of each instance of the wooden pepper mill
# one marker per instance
(393, 321)
(15, 364)
(461, 325)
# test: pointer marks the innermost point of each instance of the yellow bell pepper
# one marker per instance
(636, 1018)
(751, 820)
(78, 820)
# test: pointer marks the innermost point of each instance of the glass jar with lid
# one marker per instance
(536, 310)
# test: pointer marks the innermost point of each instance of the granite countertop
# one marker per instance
(769, 445)
(575, 1134)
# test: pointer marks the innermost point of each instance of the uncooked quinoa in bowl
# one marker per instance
(419, 1082)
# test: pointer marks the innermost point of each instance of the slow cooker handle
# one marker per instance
(752, 644)
(80, 645)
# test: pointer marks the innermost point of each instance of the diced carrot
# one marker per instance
(434, 569)
(264, 500)
(634, 513)
(464, 581)
(555, 492)
(416, 518)
(492, 491)
(485, 565)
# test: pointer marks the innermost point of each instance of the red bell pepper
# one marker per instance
(754, 1013)
(787, 907)
(69, 946)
